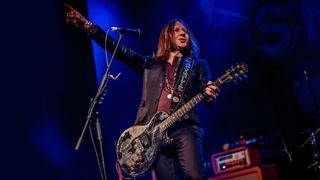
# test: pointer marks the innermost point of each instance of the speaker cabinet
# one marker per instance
(267, 172)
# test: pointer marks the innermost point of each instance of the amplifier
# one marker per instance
(267, 172)
(234, 159)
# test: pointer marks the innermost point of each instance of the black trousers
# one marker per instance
(183, 158)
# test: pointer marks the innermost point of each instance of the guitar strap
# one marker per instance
(181, 84)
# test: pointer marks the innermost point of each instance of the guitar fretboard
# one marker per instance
(180, 112)
(229, 75)
(185, 108)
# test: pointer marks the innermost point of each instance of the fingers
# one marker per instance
(72, 13)
(212, 90)
(211, 85)
(70, 8)
(73, 16)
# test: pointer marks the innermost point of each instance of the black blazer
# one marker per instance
(153, 72)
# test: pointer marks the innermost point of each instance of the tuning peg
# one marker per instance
(245, 76)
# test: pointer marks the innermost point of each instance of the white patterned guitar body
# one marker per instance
(137, 146)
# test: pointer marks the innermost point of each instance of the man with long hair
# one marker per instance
(171, 77)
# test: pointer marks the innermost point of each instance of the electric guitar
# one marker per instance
(137, 146)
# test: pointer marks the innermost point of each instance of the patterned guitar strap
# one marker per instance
(181, 84)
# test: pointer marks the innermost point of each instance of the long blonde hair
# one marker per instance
(165, 44)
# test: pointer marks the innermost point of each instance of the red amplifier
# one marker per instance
(234, 159)
(266, 172)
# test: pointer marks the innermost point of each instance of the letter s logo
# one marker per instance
(278, 39)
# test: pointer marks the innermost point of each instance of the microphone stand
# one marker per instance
(312, 138)
(97, 100)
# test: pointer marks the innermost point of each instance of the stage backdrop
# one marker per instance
(278, 101)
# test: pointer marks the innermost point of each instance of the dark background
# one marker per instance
(52, 69)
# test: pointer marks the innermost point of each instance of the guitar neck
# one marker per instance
(185, 108)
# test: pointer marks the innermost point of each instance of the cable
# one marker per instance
(105, 46)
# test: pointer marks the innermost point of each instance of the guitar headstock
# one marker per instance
(233, 73)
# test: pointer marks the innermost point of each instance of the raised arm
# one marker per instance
(126, 55)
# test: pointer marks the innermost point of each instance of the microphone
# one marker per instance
(136, 32)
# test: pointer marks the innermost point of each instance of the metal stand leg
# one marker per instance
(315, 155)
